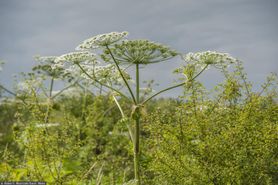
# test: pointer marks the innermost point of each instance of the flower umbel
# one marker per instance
(45, 66)
(139, 52)
(200, 61)
(76, 57)
(216, 59)
(101, 40)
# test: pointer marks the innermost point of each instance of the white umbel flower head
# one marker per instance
(213, 58)
(101, 40)
(45, 66)
(76, 57)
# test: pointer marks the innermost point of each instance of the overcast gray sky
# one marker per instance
(247, 29)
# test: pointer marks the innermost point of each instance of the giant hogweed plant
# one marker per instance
(103, 60)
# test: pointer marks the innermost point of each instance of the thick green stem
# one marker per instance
(136, 145)
(51, 87)
(137, 151)
(137, 84)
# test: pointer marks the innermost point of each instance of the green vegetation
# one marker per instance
(103, 127)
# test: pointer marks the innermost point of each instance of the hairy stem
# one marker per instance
(136, 145)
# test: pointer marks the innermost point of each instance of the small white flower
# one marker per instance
(101, 40)
(74, 70)
(57, 65)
